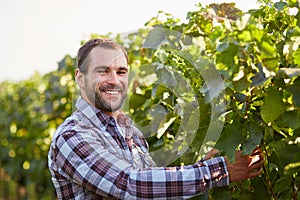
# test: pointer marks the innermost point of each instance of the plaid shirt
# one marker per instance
(87, 161)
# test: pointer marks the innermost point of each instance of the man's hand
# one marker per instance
(245, 166)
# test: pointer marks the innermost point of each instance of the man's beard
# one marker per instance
(111, 106)
(96, 98)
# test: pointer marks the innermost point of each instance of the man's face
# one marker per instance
(106, 81)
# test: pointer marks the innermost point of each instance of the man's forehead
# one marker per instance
(106, 57)
(108, 53)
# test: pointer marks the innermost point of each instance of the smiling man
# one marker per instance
(97, 152)
(104, 83)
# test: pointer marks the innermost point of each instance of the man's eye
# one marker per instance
(122, 72)
(101, 71)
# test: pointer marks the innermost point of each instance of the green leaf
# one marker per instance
(290, 119)
(241, 84)
(245, 36)
(280, 5)
(245, 195)
(260, 77)
(283, 150)
(257, 34)
(221, 194)
(155, 37)
(254, 139)
(137, 100)
(268, 48)
(166, 77)
(295, 90)
(260, 190)
(230, 139)
(283, 184)
(147, 69)
(158, 144)
(296, 56)
(226, 52)
(159, 113)
(273, 105)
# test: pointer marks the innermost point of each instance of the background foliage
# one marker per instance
(178, 101)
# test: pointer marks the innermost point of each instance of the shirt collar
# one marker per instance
(95, 115)
(99, 118)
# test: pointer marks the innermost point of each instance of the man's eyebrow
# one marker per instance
(123, 68)
(101, 67)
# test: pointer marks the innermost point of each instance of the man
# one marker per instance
(97, 153)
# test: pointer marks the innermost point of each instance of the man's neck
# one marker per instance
(112, 114)
(109, 113)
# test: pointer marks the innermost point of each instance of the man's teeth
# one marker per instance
(111, 92)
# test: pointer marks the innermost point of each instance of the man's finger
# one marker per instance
(259, 162)
(253, 174)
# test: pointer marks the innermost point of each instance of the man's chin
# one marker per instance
(109, 107)
(111, 104)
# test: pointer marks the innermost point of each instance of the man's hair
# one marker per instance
(84, 51)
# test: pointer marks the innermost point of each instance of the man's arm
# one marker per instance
(244, 166)
(97, 169)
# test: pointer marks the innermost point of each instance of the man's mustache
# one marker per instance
(111, 87)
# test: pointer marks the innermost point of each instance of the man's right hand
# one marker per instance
(245, 166)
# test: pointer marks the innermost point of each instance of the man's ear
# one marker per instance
(79, 77)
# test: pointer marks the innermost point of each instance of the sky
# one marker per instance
(36, 34)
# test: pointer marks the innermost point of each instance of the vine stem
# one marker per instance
(267, 177)
(269, 184)
(294, 190)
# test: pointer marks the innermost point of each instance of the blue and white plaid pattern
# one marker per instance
(86, 162)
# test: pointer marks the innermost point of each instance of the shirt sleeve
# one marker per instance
(91, 165)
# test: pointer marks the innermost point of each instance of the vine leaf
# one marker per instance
(273, 106)
(254, 139)
(230, 140)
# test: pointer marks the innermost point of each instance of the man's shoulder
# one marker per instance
(73, 124)
(70, 121)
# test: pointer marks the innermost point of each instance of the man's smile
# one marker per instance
(111, 92)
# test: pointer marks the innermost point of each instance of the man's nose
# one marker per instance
(113, 77)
